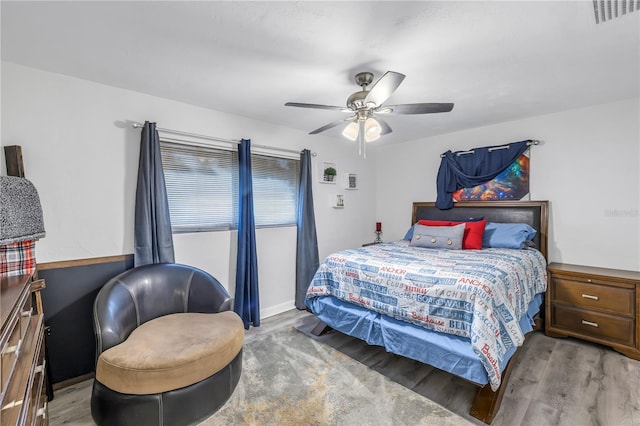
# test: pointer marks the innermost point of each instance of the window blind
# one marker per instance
(202, 187)
(275, 190)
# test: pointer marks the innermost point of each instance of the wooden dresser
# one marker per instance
(23, 398)
(596, 304)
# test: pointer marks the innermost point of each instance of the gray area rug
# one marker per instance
(290, 379)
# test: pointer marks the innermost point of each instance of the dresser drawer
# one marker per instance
(19, 406)
(617, 300)
(610, 328)
(12, 339)
(9, 351)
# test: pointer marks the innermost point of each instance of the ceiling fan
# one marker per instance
(366, 106)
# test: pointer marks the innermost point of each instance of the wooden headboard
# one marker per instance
(533, 213)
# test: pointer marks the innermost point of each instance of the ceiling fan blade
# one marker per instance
(417, 108)
(317, 106)
(329, 126)
(384, 87)
(385, 128)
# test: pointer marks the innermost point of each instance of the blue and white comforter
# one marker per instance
(478, 294)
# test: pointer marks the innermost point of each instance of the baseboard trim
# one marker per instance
(278, 309)
(70, 382)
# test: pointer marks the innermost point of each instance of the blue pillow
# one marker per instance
(507, 235)
(409, 234)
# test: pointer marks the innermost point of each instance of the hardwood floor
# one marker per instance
(554, 382)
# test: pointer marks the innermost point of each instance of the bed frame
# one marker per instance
(535, 213)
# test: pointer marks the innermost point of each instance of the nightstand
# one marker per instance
(596, 304)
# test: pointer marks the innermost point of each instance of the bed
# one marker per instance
(463, 311)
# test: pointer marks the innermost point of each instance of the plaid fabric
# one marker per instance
(18, 258)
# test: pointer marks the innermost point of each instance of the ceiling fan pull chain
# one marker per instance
(364, 150)
(360, 136)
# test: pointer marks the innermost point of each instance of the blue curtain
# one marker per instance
(247, 301)
(469, 170)
(307, 259)
(152, 228)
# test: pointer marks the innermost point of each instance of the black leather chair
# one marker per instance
(143, 294)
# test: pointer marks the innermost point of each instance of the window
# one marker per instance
(202, 187)
(275, 189)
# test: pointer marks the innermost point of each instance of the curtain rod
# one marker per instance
(215, 139)
(495, 148)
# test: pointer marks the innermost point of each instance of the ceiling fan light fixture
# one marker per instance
(372, 130)
(351, 131)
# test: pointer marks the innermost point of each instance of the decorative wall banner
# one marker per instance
(511, 184)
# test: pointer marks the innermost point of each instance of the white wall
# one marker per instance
(82, 156)
(587, 167)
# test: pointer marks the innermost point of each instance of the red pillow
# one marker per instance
(473, 231)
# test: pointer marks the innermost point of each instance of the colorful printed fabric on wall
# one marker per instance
(511, 184)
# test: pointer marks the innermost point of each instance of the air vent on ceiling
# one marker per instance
(608, 9)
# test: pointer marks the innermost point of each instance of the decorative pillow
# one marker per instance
(409, 234)
(473, 231)
(441, 237)
(507, 235)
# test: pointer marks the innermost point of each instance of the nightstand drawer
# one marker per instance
(594, 324)
(617, 300)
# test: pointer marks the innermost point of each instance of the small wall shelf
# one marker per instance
(350, 181)
(338, 201)
(328, 178)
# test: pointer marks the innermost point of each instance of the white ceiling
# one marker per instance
(496, 60)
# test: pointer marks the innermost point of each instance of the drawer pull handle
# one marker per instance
(588, 280)
(42, 411)
(25, 313)
(12, 404)
(588, 296)
(592, 324)
(15, 348)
